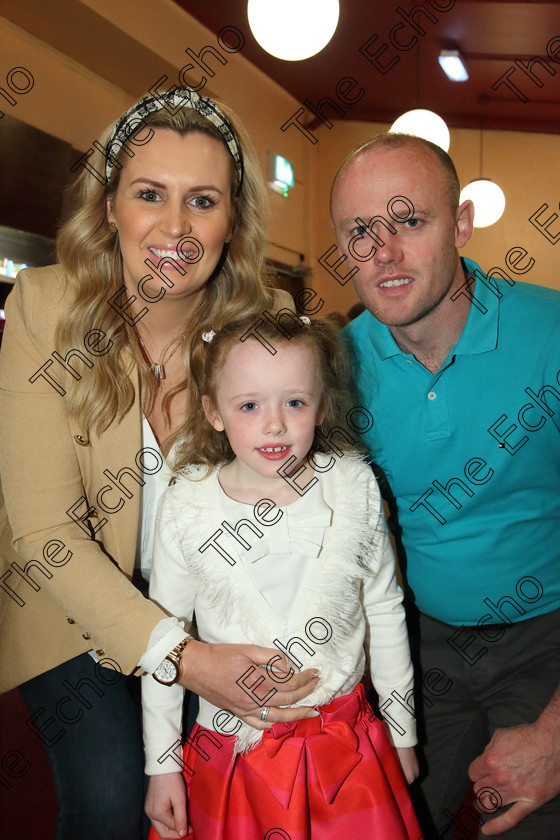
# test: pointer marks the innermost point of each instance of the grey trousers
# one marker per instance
(472, 686)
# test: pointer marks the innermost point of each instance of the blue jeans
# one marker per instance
(89, 721)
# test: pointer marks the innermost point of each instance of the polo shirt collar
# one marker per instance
(480, 333)
(382, 339)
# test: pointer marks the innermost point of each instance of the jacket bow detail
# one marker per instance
(299, 533)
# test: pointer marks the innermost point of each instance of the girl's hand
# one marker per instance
(166, 805)
(227, 676)
(409, 763)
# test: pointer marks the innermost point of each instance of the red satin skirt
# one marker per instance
(322, 778)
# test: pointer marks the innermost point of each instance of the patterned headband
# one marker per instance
(172, 101)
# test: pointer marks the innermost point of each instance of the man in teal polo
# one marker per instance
(461, 373)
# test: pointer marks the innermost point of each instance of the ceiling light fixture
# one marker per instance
(293, 29)
(453, 65)
(421, 122)
(488, 198)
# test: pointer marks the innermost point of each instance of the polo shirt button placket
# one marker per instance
(436, 415)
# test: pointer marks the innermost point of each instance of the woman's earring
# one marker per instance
(228, 238)
(113, 227)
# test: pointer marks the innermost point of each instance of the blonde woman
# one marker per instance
(97, 370)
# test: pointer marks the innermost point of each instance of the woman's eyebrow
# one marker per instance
(195, 188)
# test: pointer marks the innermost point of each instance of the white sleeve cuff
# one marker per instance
(164, 760)
(165, 636)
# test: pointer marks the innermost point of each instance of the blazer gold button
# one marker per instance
(91, 511)
(86, 636)
(70, 621)
(100, 652)
(83, 441)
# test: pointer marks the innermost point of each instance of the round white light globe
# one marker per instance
(293, 29)
(423, 123)
(488, 199)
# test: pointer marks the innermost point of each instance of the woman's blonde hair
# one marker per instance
(90, 254)
(200, 443)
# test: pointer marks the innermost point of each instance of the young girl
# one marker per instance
(271, 536)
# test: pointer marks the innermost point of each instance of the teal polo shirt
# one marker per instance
(471, 453)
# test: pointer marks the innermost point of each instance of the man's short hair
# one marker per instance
(398, 141)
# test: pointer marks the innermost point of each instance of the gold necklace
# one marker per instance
(158, 370)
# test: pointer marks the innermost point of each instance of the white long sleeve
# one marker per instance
(387, 643)
(172, 586)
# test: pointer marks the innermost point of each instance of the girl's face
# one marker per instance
(175, 186)
(268, 406)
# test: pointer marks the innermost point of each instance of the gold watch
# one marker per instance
(169, 671)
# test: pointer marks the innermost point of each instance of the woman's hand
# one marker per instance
(409, 763)
(166, 805)
(232, 678)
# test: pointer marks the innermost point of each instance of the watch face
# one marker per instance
(166, 671)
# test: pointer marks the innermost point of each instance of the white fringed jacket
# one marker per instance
(333, 540)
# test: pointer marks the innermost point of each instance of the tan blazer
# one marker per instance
(62, 591)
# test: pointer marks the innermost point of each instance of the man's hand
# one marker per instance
(520, 765)
(166, 805)
(212, 671)
(408, 762)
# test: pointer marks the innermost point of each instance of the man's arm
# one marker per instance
(521, 764)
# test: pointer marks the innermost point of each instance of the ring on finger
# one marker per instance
(264, 713)
(493, 800)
